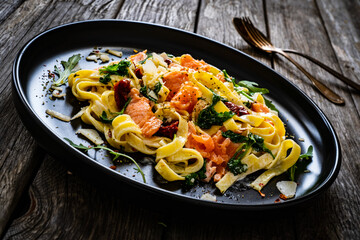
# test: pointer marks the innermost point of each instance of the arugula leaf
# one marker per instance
(192, 178)
(227, 77)
(68, 67)
(258, 144)
(252, 87)
(125, 105)
(103, 118)
(116, 154)
(209, 117)
(301, 164)
(308, 154)
(270, 105)
(146, 92)
(80, 146)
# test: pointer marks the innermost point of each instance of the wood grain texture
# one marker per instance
(179, 14)
(215, 22)
(343, 29)
(20, 156)
(299, 26)
(8, 7)
(64, 206)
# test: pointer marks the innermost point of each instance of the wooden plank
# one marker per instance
(65, 206)
(179, 14)
(215, 22)
(20, 154)
(298, 25)
(8, 7)
(342, 24)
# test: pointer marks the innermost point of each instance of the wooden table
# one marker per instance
(39, 198)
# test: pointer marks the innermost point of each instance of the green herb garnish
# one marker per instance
(120, 69)
(116, 154)
(252, 87)
(68, 67)
(301, 164)
(151, 94)
(256, 142)
(270, 105)
(106, 79)
(235, 165)
(104, 118)
(192, 178)
(209, 117)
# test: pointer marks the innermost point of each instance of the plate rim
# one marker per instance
(19, 97)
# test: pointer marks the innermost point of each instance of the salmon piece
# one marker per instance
(186, 97)
(220, 76)
(220, 172)
(259, 107)
(188, 61)
(173, 81)
(210, 171)
(224, 149)
(140, 112)
(138, 57)
(202, 143)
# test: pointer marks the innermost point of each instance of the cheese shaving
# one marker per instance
(58, 115)
(92, 135)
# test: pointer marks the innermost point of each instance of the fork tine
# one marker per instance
(239, 25)
(257, 34)
(252, 34)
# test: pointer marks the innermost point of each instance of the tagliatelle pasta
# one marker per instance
(197, 121)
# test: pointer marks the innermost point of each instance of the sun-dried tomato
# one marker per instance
(168, 61)
(237, 109)
(138, 73)
(168, 130)
(122, 89)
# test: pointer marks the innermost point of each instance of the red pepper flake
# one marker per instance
(110, 133)
(277, 200)
(113, 167)
(282, 196)
(261, 194)
(261, 184)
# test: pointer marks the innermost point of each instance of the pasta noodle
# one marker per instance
(197, 122)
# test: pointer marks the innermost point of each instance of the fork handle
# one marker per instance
(327, 92)
(330, 70)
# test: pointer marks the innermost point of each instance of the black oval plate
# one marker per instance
(302, 117)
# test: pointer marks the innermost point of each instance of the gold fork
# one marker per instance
(255, 38)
